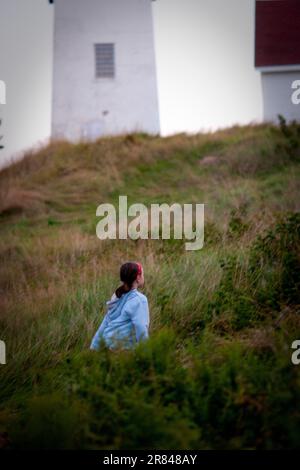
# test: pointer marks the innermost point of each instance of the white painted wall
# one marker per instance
(277, 94)
(85, 106)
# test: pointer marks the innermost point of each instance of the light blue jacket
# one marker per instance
(126, 322)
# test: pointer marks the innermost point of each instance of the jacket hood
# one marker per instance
(115, 304)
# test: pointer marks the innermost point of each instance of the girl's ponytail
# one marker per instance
(121, 290)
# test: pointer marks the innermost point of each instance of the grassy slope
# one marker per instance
(217, 371)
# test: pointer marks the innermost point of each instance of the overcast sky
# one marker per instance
(204, 59)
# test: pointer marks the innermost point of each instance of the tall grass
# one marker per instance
(217, 371)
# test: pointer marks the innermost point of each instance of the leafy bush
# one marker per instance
(147, 399)
(51, 421)
(270, 280)
(232, 299)
(288, 139)
(275, 263)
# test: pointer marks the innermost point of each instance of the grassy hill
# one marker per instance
(217, 371)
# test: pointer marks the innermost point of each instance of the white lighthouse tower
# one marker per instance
(104, 74)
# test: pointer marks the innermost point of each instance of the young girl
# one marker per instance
(127, 319)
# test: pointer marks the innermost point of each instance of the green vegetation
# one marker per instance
(216, 372)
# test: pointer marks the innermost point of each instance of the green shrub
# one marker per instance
(287, 138)
(232, 299)
(49, 421)
(148, 399)
(275, 263)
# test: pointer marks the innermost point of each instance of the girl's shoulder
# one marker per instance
(141, 296)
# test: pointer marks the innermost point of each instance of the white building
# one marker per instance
(104, 73)
(277, 57)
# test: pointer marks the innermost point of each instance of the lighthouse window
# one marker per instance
(105, 60)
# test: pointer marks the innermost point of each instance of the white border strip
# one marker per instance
(279, 68)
